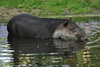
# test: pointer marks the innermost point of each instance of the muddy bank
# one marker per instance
(6, 14)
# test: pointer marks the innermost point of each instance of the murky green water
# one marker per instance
(22, 52)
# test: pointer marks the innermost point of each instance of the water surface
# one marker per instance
(28, 52)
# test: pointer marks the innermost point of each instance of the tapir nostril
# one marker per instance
(86, 39)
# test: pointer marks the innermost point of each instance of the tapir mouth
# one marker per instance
(86, 38)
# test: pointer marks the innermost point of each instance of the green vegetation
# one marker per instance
(53, 7)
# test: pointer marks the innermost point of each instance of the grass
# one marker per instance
(53, 7)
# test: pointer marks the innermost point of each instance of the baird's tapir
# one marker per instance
(25, 25)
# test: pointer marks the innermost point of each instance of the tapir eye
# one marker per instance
(73, 30)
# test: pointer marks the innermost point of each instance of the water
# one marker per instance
(22, 52)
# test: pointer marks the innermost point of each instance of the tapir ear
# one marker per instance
(70, 18)
(66, 23)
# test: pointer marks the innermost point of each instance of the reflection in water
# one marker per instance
(27, 52)
(39, 51)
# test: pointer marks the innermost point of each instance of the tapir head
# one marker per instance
(74, 29)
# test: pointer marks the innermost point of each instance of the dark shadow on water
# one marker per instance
(42, 47)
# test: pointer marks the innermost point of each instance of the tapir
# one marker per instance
(25, 25)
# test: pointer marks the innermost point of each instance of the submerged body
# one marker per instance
(25, 25)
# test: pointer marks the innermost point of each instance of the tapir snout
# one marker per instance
(81, 34)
